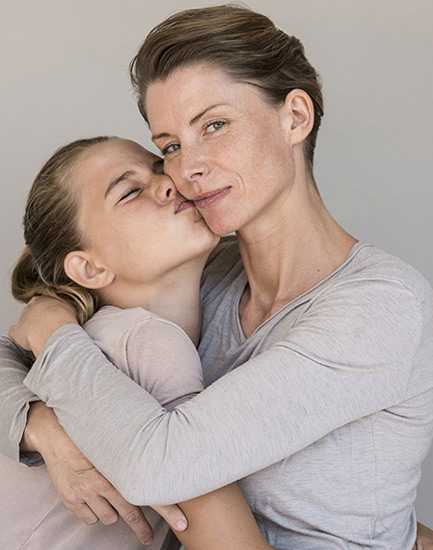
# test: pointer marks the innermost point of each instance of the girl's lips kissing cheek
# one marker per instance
(208, 199)
(183, 205)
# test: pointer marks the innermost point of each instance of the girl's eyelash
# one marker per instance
(130, 192)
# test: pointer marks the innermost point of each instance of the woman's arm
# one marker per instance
(320, 377)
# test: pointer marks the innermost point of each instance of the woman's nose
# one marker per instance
(193, 170)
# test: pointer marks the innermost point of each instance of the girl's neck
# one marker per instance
(179, 303)
(175, 296)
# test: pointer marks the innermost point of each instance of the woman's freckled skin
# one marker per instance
(252, 152)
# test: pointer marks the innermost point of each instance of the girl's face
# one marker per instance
(224, 145)
(131, 217)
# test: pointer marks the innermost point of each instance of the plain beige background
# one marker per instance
(64, 76)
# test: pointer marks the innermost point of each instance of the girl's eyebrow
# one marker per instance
(117, 180)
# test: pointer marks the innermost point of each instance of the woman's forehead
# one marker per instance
(189, 90)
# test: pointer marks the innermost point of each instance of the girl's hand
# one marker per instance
(40, 318)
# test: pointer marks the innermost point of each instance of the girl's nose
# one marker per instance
(165, 190)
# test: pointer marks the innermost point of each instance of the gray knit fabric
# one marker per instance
(326, 421)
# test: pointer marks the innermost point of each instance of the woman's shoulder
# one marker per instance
(375, 264)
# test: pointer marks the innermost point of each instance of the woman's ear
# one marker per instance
(81, 268)
(297, 116)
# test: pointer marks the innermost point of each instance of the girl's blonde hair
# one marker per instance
(51, 232)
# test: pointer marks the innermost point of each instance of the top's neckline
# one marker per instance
(358, 245)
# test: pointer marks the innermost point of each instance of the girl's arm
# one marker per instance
(221, 519)
(157, 355)
(31, 433)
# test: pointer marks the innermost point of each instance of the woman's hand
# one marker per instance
(83, 490)
(40, 318)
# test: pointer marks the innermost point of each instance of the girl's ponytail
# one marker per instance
(27, 283)
(51, 232)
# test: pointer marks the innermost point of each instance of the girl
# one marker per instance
(106, 231)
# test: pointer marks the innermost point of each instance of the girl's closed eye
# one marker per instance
(131, 193)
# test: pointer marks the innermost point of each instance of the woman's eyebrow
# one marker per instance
(117, 180)
(194, 119)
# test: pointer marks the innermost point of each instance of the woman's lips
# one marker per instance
(211, 198)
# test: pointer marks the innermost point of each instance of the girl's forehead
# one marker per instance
(108, 155)
(101, 163)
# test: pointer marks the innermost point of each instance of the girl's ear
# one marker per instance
(81, 268)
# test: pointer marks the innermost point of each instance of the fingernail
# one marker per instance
(181, 525)
(147, 542)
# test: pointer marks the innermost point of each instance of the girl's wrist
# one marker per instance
(41, 431)
(40, 336)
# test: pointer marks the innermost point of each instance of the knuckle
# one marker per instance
(88, 489)
(109, 519)
(103, 486)
(72, 501)
(133, 517)
(90, 521)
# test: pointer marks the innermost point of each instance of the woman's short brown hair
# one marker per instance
(246, 44)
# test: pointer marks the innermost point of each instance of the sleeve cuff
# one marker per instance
(40, 366)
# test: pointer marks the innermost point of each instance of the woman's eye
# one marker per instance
(170, 149)
(135, 191)
(212, 127)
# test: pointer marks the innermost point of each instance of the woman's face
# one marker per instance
(222, 138)
(129, 213)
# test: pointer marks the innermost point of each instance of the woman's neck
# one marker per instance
(175, 296)
(290, 248)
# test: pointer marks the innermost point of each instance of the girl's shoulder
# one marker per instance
(117, 330)
(112, 319)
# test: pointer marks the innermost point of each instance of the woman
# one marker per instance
(329, 415)
(90, 193)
